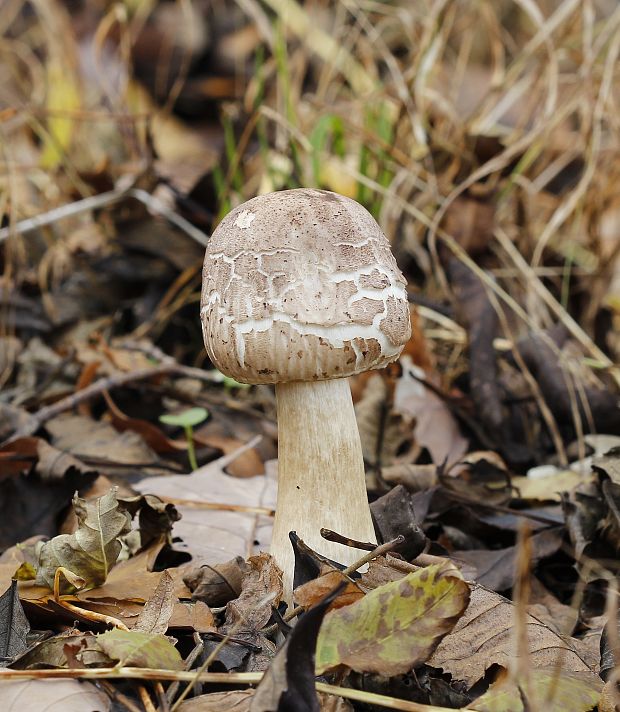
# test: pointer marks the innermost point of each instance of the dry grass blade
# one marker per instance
(217, 678)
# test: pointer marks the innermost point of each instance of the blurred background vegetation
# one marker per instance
(480, 133)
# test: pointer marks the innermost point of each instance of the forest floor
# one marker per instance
(138, 484)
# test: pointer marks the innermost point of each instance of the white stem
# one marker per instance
(321, 480)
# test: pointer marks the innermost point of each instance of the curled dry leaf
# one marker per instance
(217, 585)
(251, 611)
(155, 518)
(93, 549)
(310, 593)
(484, 637)
(395, 626)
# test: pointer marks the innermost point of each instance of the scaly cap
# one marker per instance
(301, 285)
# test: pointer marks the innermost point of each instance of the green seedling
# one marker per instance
(187, 420)
(230, 383)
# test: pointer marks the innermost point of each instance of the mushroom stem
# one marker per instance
(321, 481)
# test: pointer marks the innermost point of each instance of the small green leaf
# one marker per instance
(552, 690)
(231, 383)
(185, 419)
(137, 649)
(396, 626)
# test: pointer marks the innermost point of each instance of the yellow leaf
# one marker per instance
(396, 626)
(63, 97)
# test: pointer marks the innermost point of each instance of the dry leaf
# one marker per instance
(52, 696)
(55, 652)
(94, 439)
(553, 690)
(131, 584)
(218, 584)
(136, 649)
(233, 701)
(93, 549)
(548, 488)
(484, 637)
(309, 594)
(435, 427)
(14, 626)
(496, 569)
(157, 611)
(213, 536)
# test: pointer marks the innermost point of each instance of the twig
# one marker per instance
(117, 696)
(146, 699)
(219, 506)
(505, 510)
(172, 691)
(222, 678)
(371, 698)
(378, 551)
(103, 384)
(161, 696)
(101, 201)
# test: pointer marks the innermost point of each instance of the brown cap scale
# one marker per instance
(300, 287)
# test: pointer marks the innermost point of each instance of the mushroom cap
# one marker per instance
(301, 285)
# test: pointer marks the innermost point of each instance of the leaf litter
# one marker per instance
(126, 544)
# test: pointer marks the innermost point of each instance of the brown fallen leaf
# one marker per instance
(218, 584)
(544, 606)
(309, 594)
(95, 439)
(232, 701)
(251, 611)
(435, 428)
(247, 465)
(496, 569)
(150, 433)
(157, 611)
(131, 583)
(385, 569)
(484, 637)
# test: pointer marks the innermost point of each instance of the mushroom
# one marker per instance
(300, 289)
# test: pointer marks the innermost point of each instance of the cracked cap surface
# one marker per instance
(301, 285)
